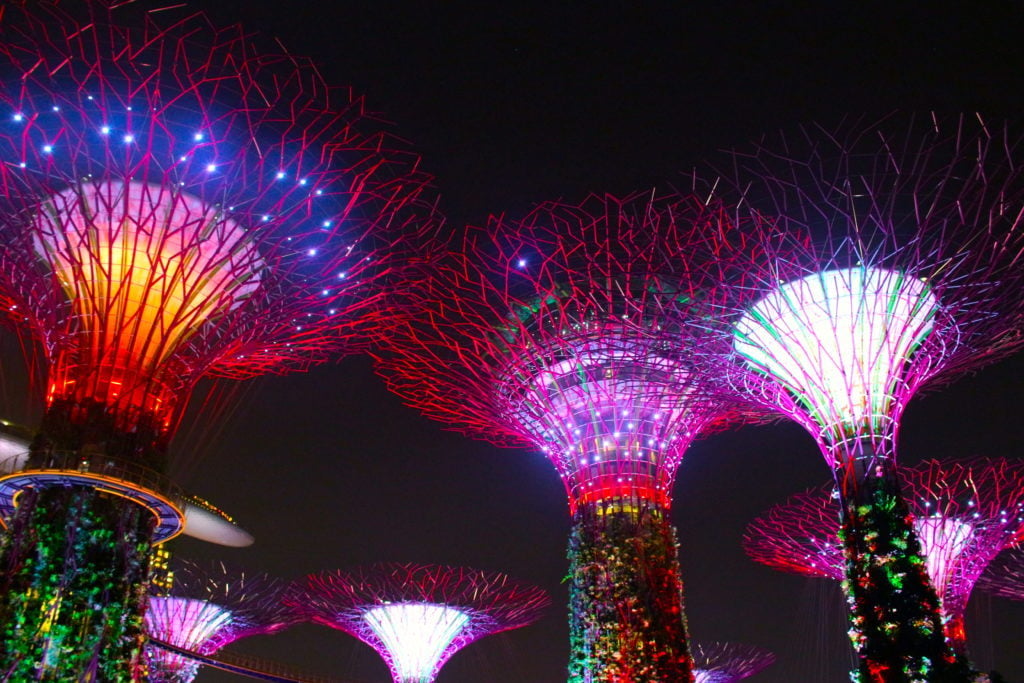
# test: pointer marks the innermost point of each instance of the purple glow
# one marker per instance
(189, 624)
(612, 416)
(728, 662)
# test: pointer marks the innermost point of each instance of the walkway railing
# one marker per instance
(251, 666)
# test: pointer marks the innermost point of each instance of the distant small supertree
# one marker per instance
(728, 662)
(911, 276)
(965, 512)
(417, 616)
(208, 606)
(174, 203)
(1005, 575)
(555, 331)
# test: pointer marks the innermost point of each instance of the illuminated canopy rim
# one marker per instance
(613, 414)
(840, 341)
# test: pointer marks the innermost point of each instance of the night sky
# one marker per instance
(511, 105)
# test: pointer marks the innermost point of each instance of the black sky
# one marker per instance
(514, 103)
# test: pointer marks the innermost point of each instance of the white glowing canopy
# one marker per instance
(186, 623)
(839, 340)
(943, 540)
(416, 635)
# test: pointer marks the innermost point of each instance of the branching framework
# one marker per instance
(555, 331)
(209, 606)
(716, 662)
(417, 616)
(1005, 575)
(912, 277)
(965, 513)
(175, 204)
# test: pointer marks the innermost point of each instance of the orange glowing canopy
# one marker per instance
(144, 267)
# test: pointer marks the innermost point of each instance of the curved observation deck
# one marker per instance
(114, 476)
(203, 520)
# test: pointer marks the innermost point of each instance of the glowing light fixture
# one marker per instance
(839, 340)
(144, 267)
(186, 623)
(417, 636)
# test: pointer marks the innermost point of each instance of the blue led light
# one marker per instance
(211, 167)
(19, 117)
(197, 137)
(47, 149)
(105, 130)
(128, 138)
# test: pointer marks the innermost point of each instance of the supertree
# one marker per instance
(206, 607)
(965, 512)
(911, 276)
(176, 203)
(417, 616)
(552, 332)
(716, 662)
(1005, 575)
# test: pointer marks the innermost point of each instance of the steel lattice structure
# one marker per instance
(911, 276)
(965, 512)
(1005, 575)
(417, 616)
(209, 606)
(555, 331)
(176, 203)
(716, 662)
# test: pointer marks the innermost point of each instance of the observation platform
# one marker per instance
(115, 476)
(175, 512)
